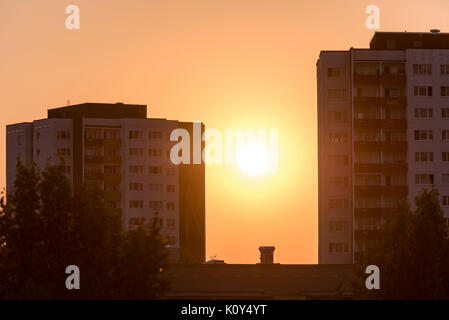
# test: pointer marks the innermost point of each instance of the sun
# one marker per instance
(253, 158)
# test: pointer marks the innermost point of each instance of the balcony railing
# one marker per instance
(392, 190)
(93, 176)
(94, 142)
(394, 123)
(93, 159)
(393, 79)
(366, 78)
(366, 234)
(380, 167)
(112, 177)
(112, 159)
(112, 195)
(374, 212)
(383, 145)
(115, 143)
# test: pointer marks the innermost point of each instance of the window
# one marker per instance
(135, 169)
(155, 135)
(338, 116)
(422, 91)
(137, 221)
(155, 187)
(445, 91)
(111, 169)
(136, 187)
(423, 156)
(445, 135)
(392, 92)
(136, 204)
(338, 203)
(170, 206)
(422, 69)
(38, 154)
(111, 187)
(64, 135)
(66, 169)
(444, 69)
(111, 152)
(155, 204)
(445, 178)
(422, 135)
(63, 152)
(340, 160)
(93, 151)
(155, 152)
(444, 113)
(338, 182)
(171, 223)
(338, 226)
(171, 171)
(445, 201)
(424, 178)
(336, 94)
(445, 156)
(423, 113)
(155, 170)
(170, 188)
(338, 247)
(111, 134)
(337, 138)
(333, 72)
(135, 151)
(134, 134)
(38, 136)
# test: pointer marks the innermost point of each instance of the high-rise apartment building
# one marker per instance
(383, 135)
(127, 156)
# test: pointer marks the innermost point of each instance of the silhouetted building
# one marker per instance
(116, 148)
(383, 135)
(261, 281)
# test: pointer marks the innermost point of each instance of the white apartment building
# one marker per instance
(127, 157)
(383, 135)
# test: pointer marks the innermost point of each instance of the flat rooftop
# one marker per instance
(100, 110)
(409, 40)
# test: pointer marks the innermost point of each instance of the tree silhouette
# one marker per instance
(44, 227)
(412, 253)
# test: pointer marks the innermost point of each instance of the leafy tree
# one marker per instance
(412, 253)
(44, 227)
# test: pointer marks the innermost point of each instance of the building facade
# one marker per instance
(383, 136)
(126, 155)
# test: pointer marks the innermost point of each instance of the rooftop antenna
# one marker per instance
(68, 102)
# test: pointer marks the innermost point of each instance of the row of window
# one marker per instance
(338, 226)
(427, 135)
(135, 221)
(156, 170)
(421, 68)
(154, 204)
(153, 187)
(428, 156)
(151, 152)
(137, 134)
(338, 247)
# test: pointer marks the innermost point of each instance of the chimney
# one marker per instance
(266, 255)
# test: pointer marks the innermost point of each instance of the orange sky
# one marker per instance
(231, 64)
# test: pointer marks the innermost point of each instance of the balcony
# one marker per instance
(394, 167)
(367, 167)
(398, 190)
(374, 212)
(366, 78)
(395, 102)
(360, 190)
(367, 123)
(93, 176)
(93, 142)
(366, 234)
(367, 145)
(395, 190)
(394, 124)
(394, 145)
(113, 178)
(367, 101)
(113, 143)
(112, 195)
(93, 159)
(393, 79)
(112, 159)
